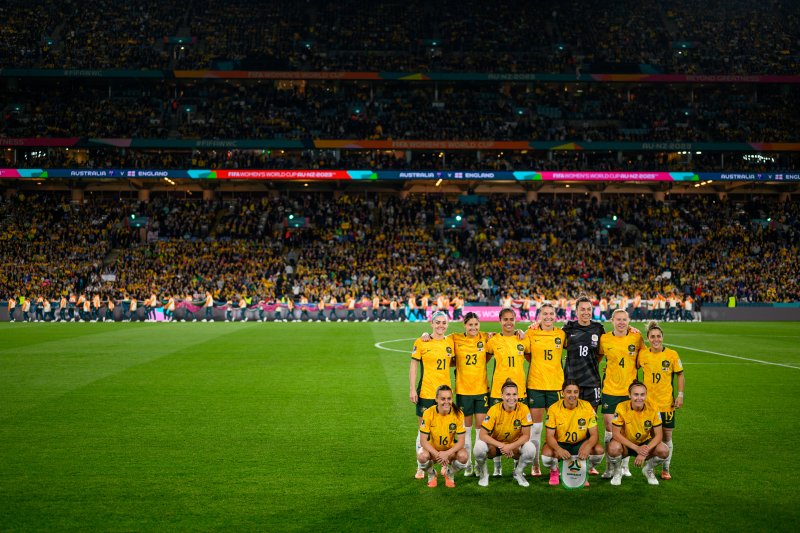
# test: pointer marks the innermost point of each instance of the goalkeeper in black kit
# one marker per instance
(582, 342)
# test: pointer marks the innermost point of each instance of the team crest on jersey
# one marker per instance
(664, 365)
(517, 423)
(648, 425)
(558, 342)
(449, 350)
(480, 346)
(452, 427)
(631, 348)
(520, 348)
(581, 422)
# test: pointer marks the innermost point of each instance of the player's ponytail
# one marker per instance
(654, 325)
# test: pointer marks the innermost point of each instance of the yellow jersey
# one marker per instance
(434, 359)
(509, 362)
(506, 426)
(658, 370)
(571, 425)
(637, 426)
(546, 371)
(470, 352)
(442, 429)
(620, 354)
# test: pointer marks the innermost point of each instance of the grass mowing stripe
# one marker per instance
(49, 369)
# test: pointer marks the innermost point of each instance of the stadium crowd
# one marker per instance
(732, 37)
(379, 111)
(506, 160)
(360, 247)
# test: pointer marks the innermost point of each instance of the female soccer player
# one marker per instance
(471, 382)
(620, 348)
(440, 426)
(509, 354)
(506, 432)
(545, 375)
(472, 385)
(571, 430)
(433, 358)
(637, 432)
(659, 367)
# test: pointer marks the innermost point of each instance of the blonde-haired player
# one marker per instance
(506, 432)
(620, 347)
(509, 354)
(545, 375)
(440, 427)
(660, 366)
(637, 432)
(431, 360)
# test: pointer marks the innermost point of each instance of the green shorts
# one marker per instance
(610, 403)
(473, 403)
(572, 447)
(422, 404)
(668, 419)
(542, 399)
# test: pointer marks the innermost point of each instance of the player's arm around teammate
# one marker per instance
(571, 430)
(441, 427)
(506, 432)
(637, 432)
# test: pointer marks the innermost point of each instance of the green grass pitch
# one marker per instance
(282, 427)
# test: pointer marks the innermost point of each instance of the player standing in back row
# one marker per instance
(582, 343)
(583, 352)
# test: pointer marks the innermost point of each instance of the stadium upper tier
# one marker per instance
(711, 37)
(319, 245)
(401, 110)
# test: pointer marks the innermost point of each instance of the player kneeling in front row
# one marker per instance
(442, 438)
(506, 431)
(571, 430)
(637, 432)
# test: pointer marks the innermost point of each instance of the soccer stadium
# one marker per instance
(556, 244)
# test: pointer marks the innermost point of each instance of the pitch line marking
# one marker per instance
(380, 346)
(734, 356)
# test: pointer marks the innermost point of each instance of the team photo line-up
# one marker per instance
(510, 411)
(85, 308)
